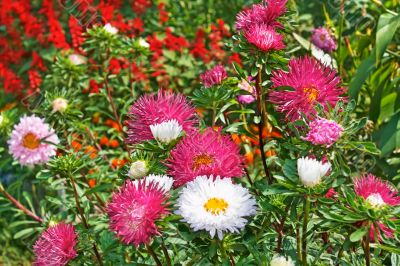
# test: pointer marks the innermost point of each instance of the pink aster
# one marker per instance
(214, 76)
(152, 109)
(312, 84)
(264, 38)
(323, 40)
(32, 141)
(134, 209)
(265, 13)
(56, 246)
(324, 132)
(206, 153)
(246, 86)
(376, 191)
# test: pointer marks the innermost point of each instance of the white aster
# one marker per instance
(215, 205)
(167, 131)
(77, 59)
(138, 169)
(110, 29)
(143, 43)
(281, 261)
(311, 171)
(163, 181)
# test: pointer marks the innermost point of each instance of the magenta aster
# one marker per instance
(375, 191)
(56, 246)
(207, 153)
(324, 132)
(312, 83)
(323, 40)
(265, 13)
(32, 141)
(264, 37)
(214, 76)
(134, 209)
(152, 110)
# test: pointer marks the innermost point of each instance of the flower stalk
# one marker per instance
(150, 250)
(307, 204)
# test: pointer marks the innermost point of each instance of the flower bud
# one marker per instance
(110, 29)
(60, 105)
(138, 169)
(143, 43)
(311, 171)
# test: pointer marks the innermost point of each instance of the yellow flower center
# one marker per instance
(30, 141)
(216, 205)
(312, 93)
(202, 159)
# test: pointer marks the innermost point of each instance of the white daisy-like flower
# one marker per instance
(60, 105)
(375, 200)
(138, 169)
(110, 29)
(215, 205)
(77, 59)
(311, 171)
(281, 261)
(167, 131)
(143, 43)
(163, 182)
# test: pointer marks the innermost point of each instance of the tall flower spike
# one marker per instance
(134, 209)
(207, 153)
(56, 246)
(312, 83)
(150, 110)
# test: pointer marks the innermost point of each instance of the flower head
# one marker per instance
(312, 83)
(323, 40)
(163, 182)
(32, 141)
(281, 261)
(214, 76)
(77, 59)
(324, 132)
(134, 209)
(375, 191)
(215, 205)
(110, 29)
(311, 171)
(167, 131)
(60, 105)
(264, 13)
(207, 153)
(246, 86)
(264, 37)
(56, 246)
(150, 110)
(138, 169)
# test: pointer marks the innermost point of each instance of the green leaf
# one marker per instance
(363, 71)
(24, 233)
(358, 234)
(386, 29)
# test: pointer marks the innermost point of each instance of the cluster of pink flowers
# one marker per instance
(322, 38)
(324, 132)
(259, 24)
(214, 76)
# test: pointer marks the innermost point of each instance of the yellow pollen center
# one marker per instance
(215, 206)
(312, 94)
(30, 141)
(202, 159)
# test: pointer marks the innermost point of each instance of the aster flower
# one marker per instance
(150, 110)
(77, 59)
(312, 83)
(134, 209)
(32, 141)
(324, 132)
(214, 76)
(264, 37)
(376, 192)
(264, 13)
(56, 246)
(281, 261)
(207, 153)
(138, 169)
(215, 205)
(311, 171)
(110, 29)
(163, 182)
(323, 40)
(167, 131)
(246, 86)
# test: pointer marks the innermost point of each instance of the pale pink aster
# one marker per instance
(265, 13)
(264, 37)
(152, 109)
(312, 83)
(323, 40)
(32, 141)
(324, 132)
(56, 246)
(246, 86)
(134, 209)
(376, 191)
(206, 153)
(214, 76)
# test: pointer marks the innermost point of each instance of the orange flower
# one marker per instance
(118, 163)
(114, 143)
(76, 145)
(91, 151)
(270, 153)
(104, 141)
(248, 158)
(236, 138)
(92, 183)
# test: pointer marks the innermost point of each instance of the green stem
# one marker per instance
(153, 254)
(304, 233)
(165, 251)
(367, 250)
